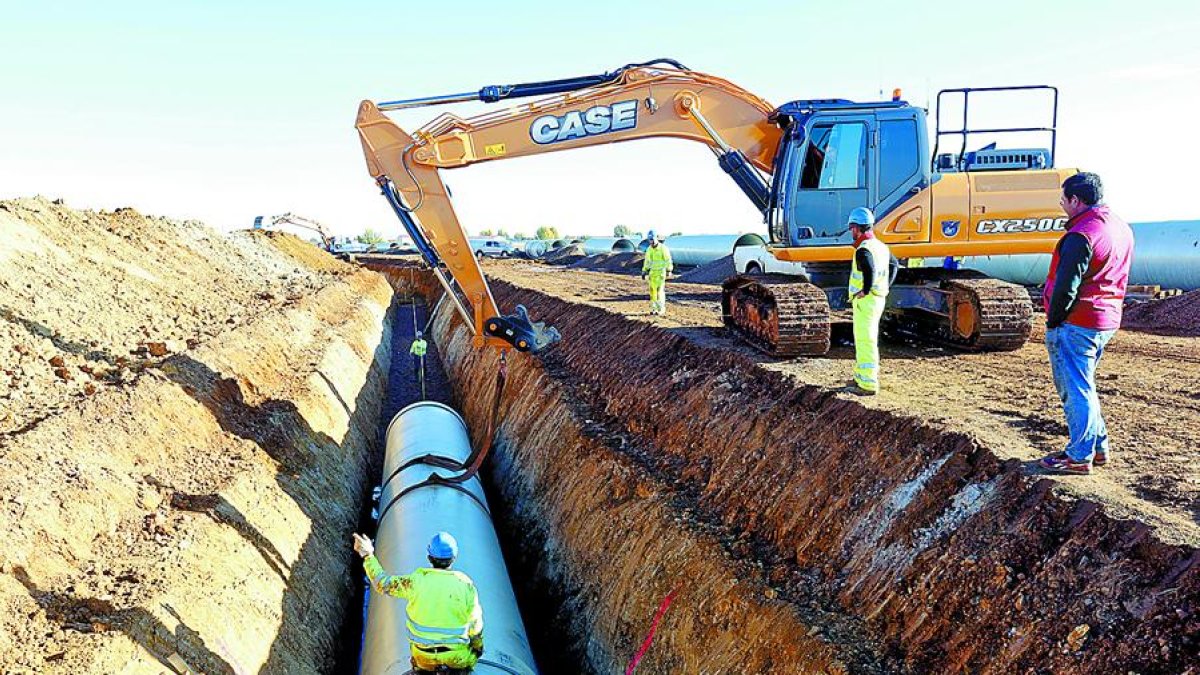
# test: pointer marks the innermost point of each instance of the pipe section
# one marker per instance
(412, 510)
(700, 249)
(1165, 253)
(598, 245)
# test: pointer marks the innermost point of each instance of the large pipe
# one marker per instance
(536, 248)
(1165, 253)
(700, 249)
(412, 510)
(598, 245)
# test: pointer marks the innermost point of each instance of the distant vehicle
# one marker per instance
(491, 247)
(754, 258)
(398, 247)
(350, 246)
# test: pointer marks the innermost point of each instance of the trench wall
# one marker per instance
(199, 516)
(805, 533)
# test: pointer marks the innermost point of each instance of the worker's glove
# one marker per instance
(363, 546)
(477, 645)
(644, 275)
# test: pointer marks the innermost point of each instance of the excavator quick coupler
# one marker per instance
(522, 332)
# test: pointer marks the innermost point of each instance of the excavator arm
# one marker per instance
(652, 100)
(305, 223)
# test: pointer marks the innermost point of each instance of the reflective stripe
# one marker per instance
(436, 642)
(413, 625)
(881, 257)
(433, 635)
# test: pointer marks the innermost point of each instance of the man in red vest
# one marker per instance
(1085, 291)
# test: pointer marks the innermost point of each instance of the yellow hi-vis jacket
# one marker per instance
(418, 347)
(443, 607)
(658, 259)
(881, 257)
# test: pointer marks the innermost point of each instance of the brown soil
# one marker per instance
(187, 505)
(87, 298)
(804, 531)
(1149, 387)
(1179, 315)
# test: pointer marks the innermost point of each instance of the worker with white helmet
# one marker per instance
(869, 280)
(444, 617)
(655, 267)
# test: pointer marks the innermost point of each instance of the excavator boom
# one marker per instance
(659, 99)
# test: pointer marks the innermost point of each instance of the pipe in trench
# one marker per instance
(411, 512)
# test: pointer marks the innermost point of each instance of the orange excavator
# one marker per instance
(804, 165)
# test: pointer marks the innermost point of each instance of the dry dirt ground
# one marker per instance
(88, 298)
(184, 419)
(1149, 387)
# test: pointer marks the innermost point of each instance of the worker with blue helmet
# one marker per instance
(655, 267)
(444, 617)
(869, 280)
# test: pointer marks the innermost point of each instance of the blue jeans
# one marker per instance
(1074, 353)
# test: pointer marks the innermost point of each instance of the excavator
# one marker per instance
(298, 221)
(804, 165)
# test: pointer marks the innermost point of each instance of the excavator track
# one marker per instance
(987, 315)
(781, 318)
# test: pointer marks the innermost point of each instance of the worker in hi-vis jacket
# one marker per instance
(869, 280)
(418, 349)
(444, 617)
(655, 267)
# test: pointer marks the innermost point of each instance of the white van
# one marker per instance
(750, 256)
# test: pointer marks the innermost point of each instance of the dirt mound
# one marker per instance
(712, 273)
(188, 419)
(624, 262)
(87, 298)
(1179, 316)
(303, 252)
(592, 262)
(566, 255)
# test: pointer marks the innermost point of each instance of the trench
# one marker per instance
(549, 642)
(799, 531)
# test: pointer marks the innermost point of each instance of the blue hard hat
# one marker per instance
(861, 216)
(443, 546)
(650, 235)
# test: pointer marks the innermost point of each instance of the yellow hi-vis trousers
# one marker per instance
(658, 290)
(867, 313)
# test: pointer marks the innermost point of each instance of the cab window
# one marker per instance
(898, 154)
(836, 157)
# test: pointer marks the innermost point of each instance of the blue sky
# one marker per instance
(221, 111)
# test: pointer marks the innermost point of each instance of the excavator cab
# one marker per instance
(836, 155)
(840, 155)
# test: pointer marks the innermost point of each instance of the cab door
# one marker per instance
(833, 178)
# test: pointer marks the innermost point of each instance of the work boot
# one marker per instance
(1061, 462)
(1100, 459)
(853, 388)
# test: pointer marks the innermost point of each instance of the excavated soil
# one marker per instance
(713, 273)
(182, 497)
(89, 298)
(801, 531)
(1179, 315)
(1149, 387)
